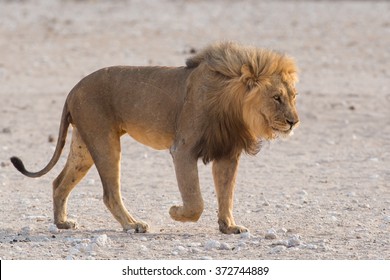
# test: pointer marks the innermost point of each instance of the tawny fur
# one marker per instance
(227, 99)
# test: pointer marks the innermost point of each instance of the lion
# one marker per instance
(225, 101)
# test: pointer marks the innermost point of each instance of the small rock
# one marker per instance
(25, 230)
(92, 247)
(282, 231)
(386, 219)
(212, 244)
(245, 235)
(50, 138)
(101, 240)
(311, 246)
(270, 234)
(83, 247)
(333, 218)
(225, 246)
(143, 248)
(303, 192)
(294, 241)
(74, 251)
(181, 248)
(195, 250)
(6, 130)
(53, 228)
(278, 249)
(351, 194)
(241, 245)
(281, 243)
(143, 238)
(364, 206)
(91, 182)
(194, 244)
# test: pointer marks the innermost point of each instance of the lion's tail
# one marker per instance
(65, 121)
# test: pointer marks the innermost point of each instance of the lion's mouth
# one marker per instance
(283, 132)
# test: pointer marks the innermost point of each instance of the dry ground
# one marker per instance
(325, 192)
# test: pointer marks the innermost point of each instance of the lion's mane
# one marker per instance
(236, 76)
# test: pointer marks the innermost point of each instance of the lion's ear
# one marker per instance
(247, 76)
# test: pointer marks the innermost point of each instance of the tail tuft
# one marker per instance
(18, 164)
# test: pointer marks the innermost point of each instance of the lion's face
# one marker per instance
(271, 111)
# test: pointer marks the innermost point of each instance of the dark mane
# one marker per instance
(233, 71)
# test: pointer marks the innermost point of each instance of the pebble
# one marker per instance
(333, 218)
(6, 130)
(282, 231)
(143, 238)
(91, 248)
(281, 243)
(303, 192)
(266, 203)
(195, 250)
(270, 234)
(25, 230)
(294, 241)
(143, 248)
(101, 240)
(386, 219)
(225, 246)
(83, 247)
(53, 228)
(181, 249)
(278, 249)
(37, 218)
(311, 246)
(364, 206)
(245, 235)
(351, 194)
(212, 244)
(91, 182)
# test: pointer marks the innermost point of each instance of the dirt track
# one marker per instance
(325, 192)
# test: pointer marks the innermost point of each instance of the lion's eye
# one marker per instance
(277, 98)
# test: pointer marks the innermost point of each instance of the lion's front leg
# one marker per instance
(188, 181)
(224, 174)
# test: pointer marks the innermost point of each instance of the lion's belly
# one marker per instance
(159, 140)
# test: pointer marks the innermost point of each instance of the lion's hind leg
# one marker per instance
(106, 153)
(78, 163)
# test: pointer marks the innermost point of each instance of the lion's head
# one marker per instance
(250, 95)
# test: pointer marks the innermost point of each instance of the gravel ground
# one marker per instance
(322, 194)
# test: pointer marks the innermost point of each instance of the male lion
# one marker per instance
(226, 99)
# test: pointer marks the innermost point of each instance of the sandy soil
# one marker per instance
(323, 194)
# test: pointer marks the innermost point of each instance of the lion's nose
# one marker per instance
(292, 122)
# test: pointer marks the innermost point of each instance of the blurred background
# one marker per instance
(338, 160)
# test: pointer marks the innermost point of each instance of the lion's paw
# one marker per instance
(178, 213)
(232, 229)
(138, 227)
(141, 227)
(69, 224)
